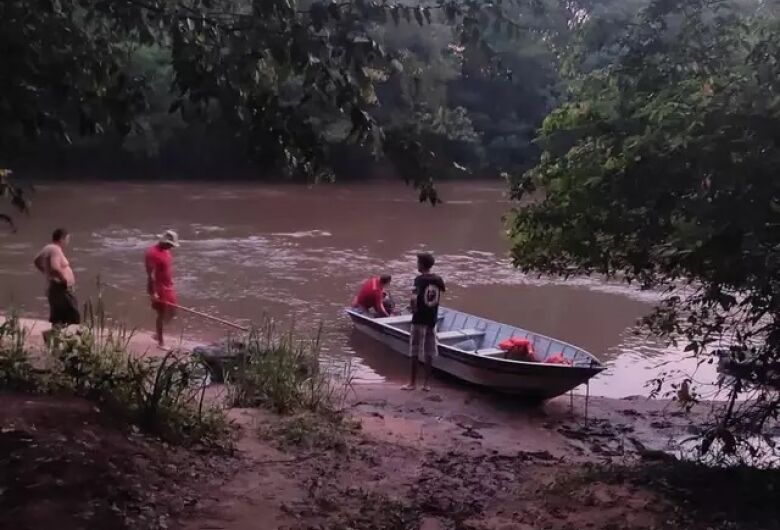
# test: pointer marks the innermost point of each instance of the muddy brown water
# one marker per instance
(298, 253)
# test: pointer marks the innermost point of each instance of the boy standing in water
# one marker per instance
(426, 295)
(159, 280)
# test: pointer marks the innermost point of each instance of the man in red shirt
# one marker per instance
(159, 280)
(370, 297)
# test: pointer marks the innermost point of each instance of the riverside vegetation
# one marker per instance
(166, 396)
(96, 433)
(162, 396)
(59, 452)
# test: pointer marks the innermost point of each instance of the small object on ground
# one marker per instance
(538, 455)
(409, 387)
(650, 454)
(471, 433)
(220, 357)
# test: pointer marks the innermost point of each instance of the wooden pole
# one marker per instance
(210, 317)
(587, 398)
(185, 309)
(571, 402)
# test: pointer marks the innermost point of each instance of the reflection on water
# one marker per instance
(298, 254)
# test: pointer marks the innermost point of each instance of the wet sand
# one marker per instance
(443, 460)
(141, 343)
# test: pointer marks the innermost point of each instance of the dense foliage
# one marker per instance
(662, 169)
(278, 81)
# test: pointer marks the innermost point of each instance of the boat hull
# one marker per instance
(536, 381)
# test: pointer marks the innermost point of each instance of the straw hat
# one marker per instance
(170, 237)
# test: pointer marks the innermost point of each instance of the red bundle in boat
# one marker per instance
(521, 348)
(557, 358)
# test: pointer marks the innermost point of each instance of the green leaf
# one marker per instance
(334, 10)
(418, 16)
(176, 105)
(395, 11)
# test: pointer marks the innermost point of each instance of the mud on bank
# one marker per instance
(454, 458)
(393, 461)
(399, 462)
(64, 464)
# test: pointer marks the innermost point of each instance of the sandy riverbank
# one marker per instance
(564, 427)
(454, 458)
(141, 342)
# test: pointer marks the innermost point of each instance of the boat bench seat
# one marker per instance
(399, 319)
(460, 334)
(491, 352)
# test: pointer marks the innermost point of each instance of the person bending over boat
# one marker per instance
(159, 281)
(426, 295)
(371, 296)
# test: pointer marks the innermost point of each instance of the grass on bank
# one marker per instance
(16, 370)
(166, 396)
(162, 396)
(286, 374)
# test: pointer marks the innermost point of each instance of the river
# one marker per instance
(298, 254)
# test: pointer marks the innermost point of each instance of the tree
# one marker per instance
(662, 169)
(13, 194)
(288, 80)
(62, 70)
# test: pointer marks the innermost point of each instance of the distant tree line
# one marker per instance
(277, 88)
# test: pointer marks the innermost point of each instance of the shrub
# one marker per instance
(285, 374)
(16, 371)
(163, 396)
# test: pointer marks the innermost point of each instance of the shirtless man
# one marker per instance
(51, 261)
(159, 280)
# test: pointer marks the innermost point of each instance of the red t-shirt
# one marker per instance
(370, 296)
(158, 261)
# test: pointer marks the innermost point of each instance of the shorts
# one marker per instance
(63, 306)
(166, 296)
(422, 342)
